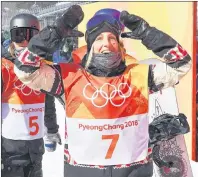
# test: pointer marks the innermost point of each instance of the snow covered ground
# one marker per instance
(53, 161)
(194, 166)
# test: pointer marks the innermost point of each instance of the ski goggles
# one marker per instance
(18, 35)
(114, 13)
(98, 21)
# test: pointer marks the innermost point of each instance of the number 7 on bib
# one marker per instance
(112, 146)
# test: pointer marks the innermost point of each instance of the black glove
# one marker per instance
(48, 40)
(167, 126)
(70, 19)
(163, 128)
(136, 24)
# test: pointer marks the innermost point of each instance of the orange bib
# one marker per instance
(106, 116)
(22, 107)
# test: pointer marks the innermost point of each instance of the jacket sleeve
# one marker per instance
(31, 68)
(176, 61)
(50, 114)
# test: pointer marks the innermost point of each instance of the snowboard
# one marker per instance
(175, 150)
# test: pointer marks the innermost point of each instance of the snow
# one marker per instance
(53, 162)
(194, 166)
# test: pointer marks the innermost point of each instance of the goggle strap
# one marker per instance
(106, 23)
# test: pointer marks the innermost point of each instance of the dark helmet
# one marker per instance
(23, 27)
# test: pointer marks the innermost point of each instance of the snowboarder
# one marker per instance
(106, 101)
(24, 111)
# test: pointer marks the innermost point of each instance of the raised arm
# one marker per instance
(31, 67)
(176, 61)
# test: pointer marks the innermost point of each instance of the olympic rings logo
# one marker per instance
(20, 86)
(109, 97)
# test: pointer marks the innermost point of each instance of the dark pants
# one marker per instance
(21, 158)
(145, 170)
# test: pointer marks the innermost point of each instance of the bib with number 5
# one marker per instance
(23, 122)
(22, 107)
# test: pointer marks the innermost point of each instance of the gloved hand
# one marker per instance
(51, 141)
(167, 126)
(136, 24)
(70, 19)
(163, 128)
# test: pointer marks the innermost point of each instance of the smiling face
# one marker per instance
(106, 42)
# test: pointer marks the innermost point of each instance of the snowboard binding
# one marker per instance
(163, 128)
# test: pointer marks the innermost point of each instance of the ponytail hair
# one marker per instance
(11, 49)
